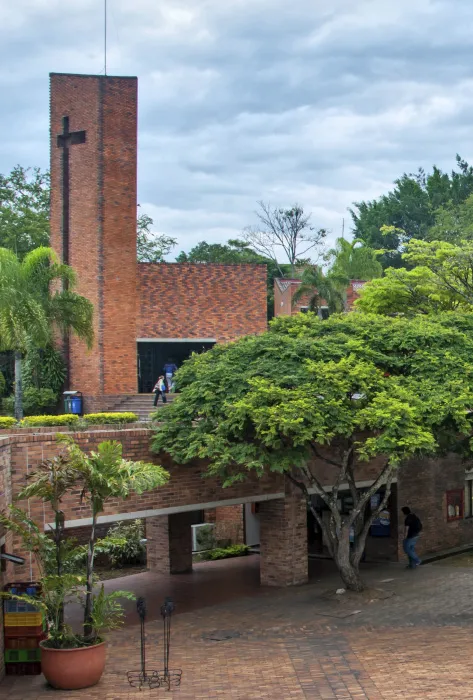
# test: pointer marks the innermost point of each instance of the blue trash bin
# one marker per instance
(76, 405)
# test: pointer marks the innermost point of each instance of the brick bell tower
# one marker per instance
(93, 122)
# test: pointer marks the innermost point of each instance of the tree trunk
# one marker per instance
(349, 572)
(88, 629)
(18, 387)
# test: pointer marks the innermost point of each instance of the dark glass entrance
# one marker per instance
(152, 357)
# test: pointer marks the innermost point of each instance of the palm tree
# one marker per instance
(354, 260)
(37, 302)
(318, 287)
(102, 475)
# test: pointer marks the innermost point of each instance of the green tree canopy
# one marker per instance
(358, 385)
(414, 206)
(24, 210)
(440, 279)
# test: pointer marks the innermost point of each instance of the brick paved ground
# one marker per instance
(299, 644)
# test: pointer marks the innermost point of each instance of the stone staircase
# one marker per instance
(141, 404)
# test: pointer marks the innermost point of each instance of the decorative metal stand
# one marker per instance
(143, 677)
(167, 678)
(164, 678)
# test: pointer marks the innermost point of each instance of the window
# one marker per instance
(469, 498)
(454, 505)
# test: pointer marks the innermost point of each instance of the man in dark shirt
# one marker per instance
(412, 530)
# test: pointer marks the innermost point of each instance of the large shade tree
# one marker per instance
(38, 301)
(310, 396)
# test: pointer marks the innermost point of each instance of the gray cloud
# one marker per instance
(253, 99)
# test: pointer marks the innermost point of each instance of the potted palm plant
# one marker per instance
(72, 660)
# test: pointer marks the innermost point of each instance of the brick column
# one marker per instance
(169, 546)
(283, 541)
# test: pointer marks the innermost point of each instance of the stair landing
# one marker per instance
(141, 404)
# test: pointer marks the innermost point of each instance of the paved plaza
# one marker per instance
(234, 640)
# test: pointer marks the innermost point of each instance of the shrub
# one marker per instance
(46, 421)
(6, 422)
(104, 418)
(44, 368)
(35, 402)
(236, 550)
(124, 544)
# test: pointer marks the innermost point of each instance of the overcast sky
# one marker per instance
(241, 100)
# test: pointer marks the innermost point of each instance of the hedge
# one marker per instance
(41, 421)
(72, 420)
(7, 422)
(108, 418)
(234, 550)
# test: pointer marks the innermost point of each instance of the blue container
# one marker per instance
(76, 405)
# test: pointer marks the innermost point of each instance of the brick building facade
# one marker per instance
(93, 227)
(284, 290)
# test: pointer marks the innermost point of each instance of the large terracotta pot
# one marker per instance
(71, 669)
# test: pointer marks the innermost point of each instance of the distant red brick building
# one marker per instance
(144, 313)
(284, 290)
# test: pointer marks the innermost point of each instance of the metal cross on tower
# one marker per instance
(65, 141)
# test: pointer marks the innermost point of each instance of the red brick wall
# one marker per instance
(422, 486)
(102, 221)
(229, 524)
(169, 546)
(186, 487)
(201, 300)
(284, 291)
(353, 292)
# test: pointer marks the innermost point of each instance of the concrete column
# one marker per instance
(169, 545)
(283, 541)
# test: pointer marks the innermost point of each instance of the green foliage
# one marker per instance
(69, 419)
(36, 402)
(44, 368)
(319, 287)
(440, 279)
(110, 418)
(6, 422)
(123, 544)
(107, 611)
(354, 261)
(417, 205)
(24, 210)
(234, 550)
(151, 247)
(37, 302)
